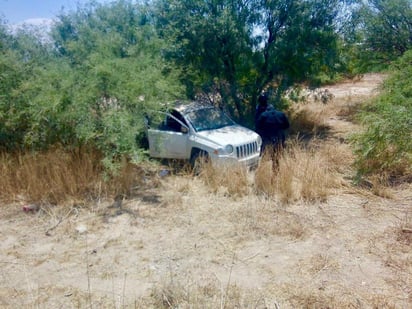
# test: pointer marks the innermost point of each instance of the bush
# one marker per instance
(90, 86)
(385, 146)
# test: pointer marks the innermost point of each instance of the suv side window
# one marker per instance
(174, 125)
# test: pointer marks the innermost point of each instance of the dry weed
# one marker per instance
(291, 225)
(321, 262)
(231, 179)
(380, 186)
(310, 296)
(301, 173)
(50, 176)
(309, 119)
(208, 293)
(393, 248)
(404, 231)
(348, 110)
(264, 177)
(259, 219)
(338, 156)
(325, 295)
(173, 199)
(56, 176)
(43, 297)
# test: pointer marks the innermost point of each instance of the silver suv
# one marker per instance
(194, 130)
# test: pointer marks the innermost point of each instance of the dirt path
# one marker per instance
(180, 244)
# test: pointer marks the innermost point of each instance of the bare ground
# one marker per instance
(177, 244)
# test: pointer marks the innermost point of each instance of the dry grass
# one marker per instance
(321, 262)
(337, 156)
(380, 186)
(404, 232)
(302, 173)
(395, 251)
(227, 179)
(56, 175)
(209, 293)
(308, 119)
(348, 111)
(310, 296)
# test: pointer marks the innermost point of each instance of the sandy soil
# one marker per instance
(176, 244)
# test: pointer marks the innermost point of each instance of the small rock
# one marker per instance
(81, 229)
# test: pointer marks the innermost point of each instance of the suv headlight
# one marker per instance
(259, 140)
(229, 149)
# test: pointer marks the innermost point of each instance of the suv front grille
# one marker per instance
(247, 150)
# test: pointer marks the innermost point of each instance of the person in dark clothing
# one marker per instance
(270, 124)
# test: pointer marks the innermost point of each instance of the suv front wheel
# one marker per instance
(197, 160)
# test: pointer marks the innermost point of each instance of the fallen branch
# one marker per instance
(58, 223)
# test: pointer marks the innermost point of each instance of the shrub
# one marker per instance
(385, 146)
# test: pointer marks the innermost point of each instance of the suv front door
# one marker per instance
(170, 139)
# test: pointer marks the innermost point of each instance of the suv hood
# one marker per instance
(233, 135)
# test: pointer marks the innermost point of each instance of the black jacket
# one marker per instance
(271, 123)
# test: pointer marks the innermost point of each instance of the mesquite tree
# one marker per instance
(232, 50)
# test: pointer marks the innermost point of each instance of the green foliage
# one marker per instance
(105, 65)
(10, 77)
(19, 56)
(386, 145)
(91, 89)
(212, 41)
(236, 49)
(384, 31)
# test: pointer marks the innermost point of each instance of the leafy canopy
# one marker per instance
(384, 30)
(235, 49)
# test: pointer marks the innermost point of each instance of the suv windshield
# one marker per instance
(208, 119)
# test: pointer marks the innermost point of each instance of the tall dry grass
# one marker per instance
(227, 179)
(308, 119)
(302, 172)
(306, 170)
(58, 175)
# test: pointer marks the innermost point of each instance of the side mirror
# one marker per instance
(184, 129)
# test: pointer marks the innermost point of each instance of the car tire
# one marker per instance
(198, 159)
